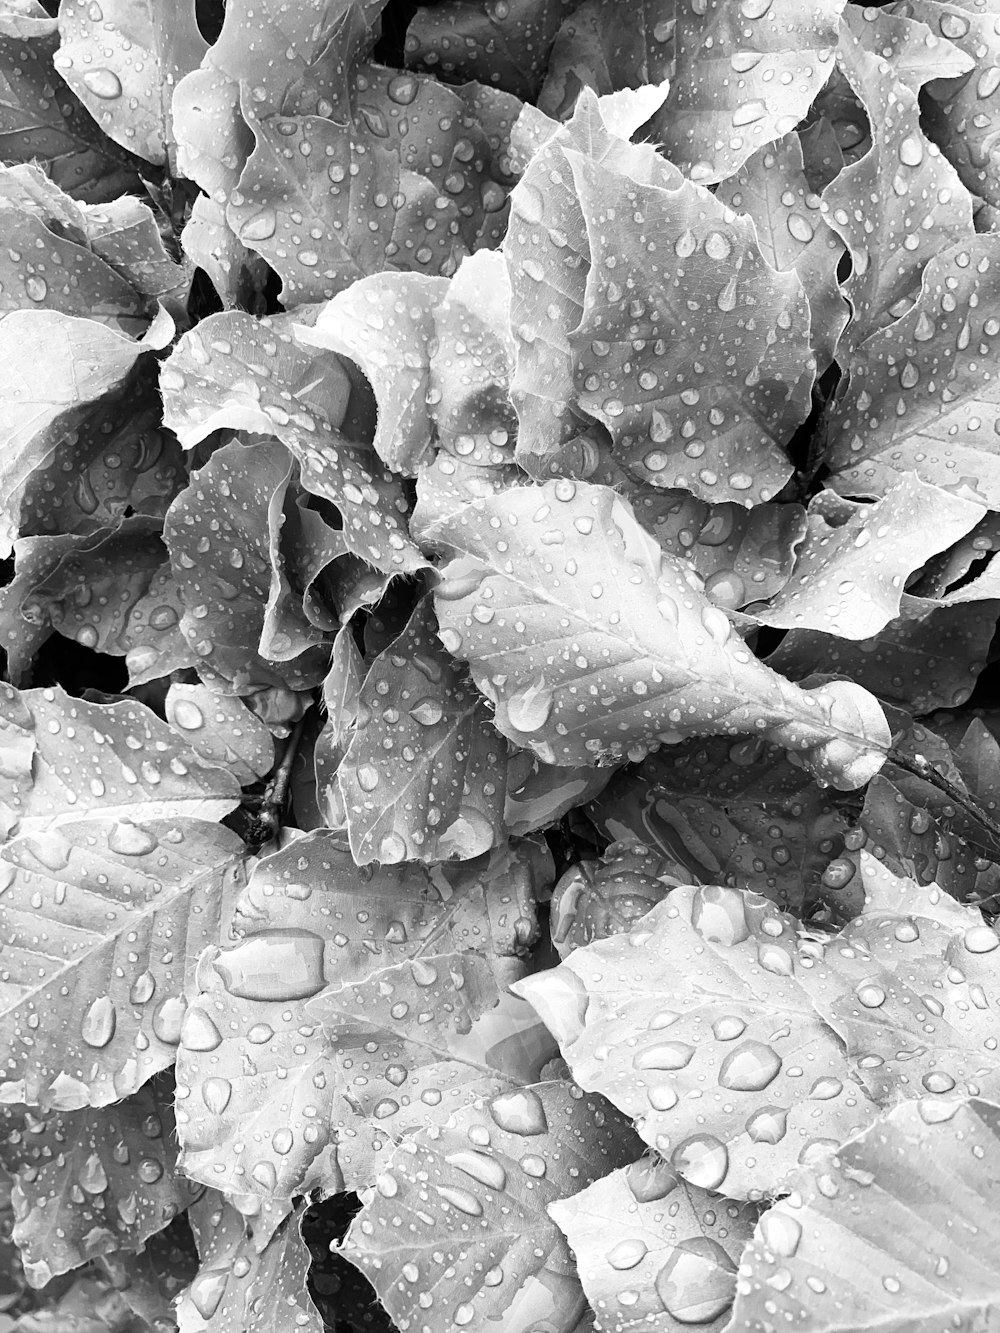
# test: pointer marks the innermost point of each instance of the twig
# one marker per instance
(272, 807)
(921, 768)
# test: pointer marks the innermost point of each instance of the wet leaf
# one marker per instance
(855, 560)
(729, 813)
(654, 1251)
(213, 380)
(933, 1159)
(91, 1182)
(731, 1018)
(669, 660)
(919, 206)
(476, 1191)
(507, 46)
(743, 76)
(221, 730)
(898, 415)
(595, 899)
(146, 46)
(424, 775)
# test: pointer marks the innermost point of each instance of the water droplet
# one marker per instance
(911, 151)
(215, 1093)
(780, 1232)
(428, 713)
(719, 915)
(93, 1178)
(486, 1170)
(717, 245)
(282, 1140)
(187, 715)
(207, 1290)
(143, 988)
(937, 1081)
(275, 965)
(980, 939)
(769, 1124)
(392, 849)
(750, 1067)
(36, 287)
(461, 1199)
(167, 1019)
(149, 1170)
(697, 1284)
(198, 1032)
(953, 26)
(702, 1160)
(626, 1254)
(667, 1055)
(103, 83)
(870, 995)
(519, 1112)
(728, 1028)
(128, 839)
(530, 710)
(99, 1022)
(650, 1178)
(260, 227)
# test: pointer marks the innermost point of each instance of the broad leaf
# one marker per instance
(730, 1020)
(221, 731)
(648, 1263)
(663, 661)
(890, 1229)
(91, 1182)
(424, 777)
(900, 414)
(491, 1171)
(853, 564)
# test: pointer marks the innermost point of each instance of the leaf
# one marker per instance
(214, 379)
(505, 47)
(378, 322)
(44, 121)
(310, 916)
(223, 567)
(83, 1023)
(772, 1076)
(146, 47)
(771, 186)
(929, 657)
(960, 109)
(499, 1163)
(907, 986)
(885, 1228)
(723, 813)
(221, 730)
(237, 274)
(594, 49)
(424, 775)
(648, 1264)
(897, 415)
(89, 1183)
(341, 699)
(668, 660)
(58, 369)
(919, 206)
(247, 1283)
(596, 899)
(712, 122)
(853, 565)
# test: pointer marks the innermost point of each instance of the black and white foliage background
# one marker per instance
(498, 781)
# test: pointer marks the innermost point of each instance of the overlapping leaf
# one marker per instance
(146, 47)
(729, 813)
(848, 1239)
(213, 380)
(921, 394)
(595, 899)
(424, 776)
(594, 49)
(476, 1192)
(731, 1018)
(648, 1263)
(662, 660)
(91, 1182)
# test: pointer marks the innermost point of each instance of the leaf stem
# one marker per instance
(921, 768)
(272, 807)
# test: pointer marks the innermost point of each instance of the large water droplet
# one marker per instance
(486, 1170)
(750, 1067)
(697, 1284)
(198, 1032)
(207, 1290)
(167, 1019)
(185, 713)
(275, 965)
(719, 915)
(769, 1124)
(128, 839)
(530, 710)
(260, 227)
(780, 1232)
(93, 1178)
(99, 1022)
(215, 1093)
(103, 83)
(650, 1178)
(463, 1200)
(666, 1055)
(702, 1159)
(626, 1254)
(520, 1112)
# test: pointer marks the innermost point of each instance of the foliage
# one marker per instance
(500, 516)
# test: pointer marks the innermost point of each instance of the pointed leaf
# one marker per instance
(424, 776)
(899, 413)
(89, 1183)
(647, 1264)
(491, 1173)
(237, 274)
(341, 699)
(668, 662)
(890, 1228)
(772, 1077)
(851, 568)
